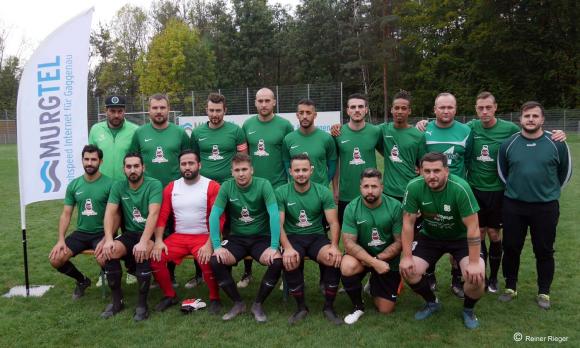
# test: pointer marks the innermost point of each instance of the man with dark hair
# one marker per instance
(89, 193)
(137, 200)
(371, 232)
(255, 230)
(449, 212)
(302, 205)
(534, 169)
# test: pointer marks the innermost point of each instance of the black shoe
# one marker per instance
(237, 309)
(432, 281)
(141, 313)
(112, 310)
(330, 314)
(215, 307)
(492, 286)
(298, 316)
(457, 290)
(79, 291)
(258, 311)
(166, 302)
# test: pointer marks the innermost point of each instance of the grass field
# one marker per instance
(56, 320)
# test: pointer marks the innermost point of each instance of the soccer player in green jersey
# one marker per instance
(534, 169)
(449, 212)
(251, 206)
(371, 233)
(89, 193)
(138, 201)
(302, 205)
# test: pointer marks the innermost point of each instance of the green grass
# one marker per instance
(56, 320)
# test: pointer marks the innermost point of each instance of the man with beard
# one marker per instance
(189, 200)
(302, 205)
(89, 193)
(534, 169)
(137, 200)
(371, 233)
(449, 212)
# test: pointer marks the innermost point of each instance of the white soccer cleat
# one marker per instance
(192, 304)
(353, 317)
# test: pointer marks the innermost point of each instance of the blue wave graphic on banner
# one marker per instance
(48, 187)
(47, 183)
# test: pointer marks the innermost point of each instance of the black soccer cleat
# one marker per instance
(112, 310)
(331, 316)
(141, 313)
(215, 307)
(166, 302)
(79, 290)
(298, 316)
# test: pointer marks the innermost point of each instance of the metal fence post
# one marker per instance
(143, 108)
(98, 109)
(341, 104)
(247, 101)
(277, 104)
(308, 91)
(565, 125)
(192, 104)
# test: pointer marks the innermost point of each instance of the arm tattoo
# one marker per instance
(351, 246)
(473, 240)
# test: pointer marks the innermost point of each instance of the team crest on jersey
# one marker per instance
(303, 220)
(261, 149)
(376, 238)
(88, 211)
(137, 217)
(245, 215)
(485, 154)
(356, 157)
(446, 207)
(215, 153)
(394, 157)
(159, 156)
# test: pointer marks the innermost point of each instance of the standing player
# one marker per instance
(302, 205)
(137, 200)
(450, 225)
(255, 230)
(534, 169)
(371, 233)
(188, 200)
(89, 193)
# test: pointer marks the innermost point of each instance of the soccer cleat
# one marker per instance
(428, 310)
(238, 308)
(298, 316)
(492, 286)
(543, 300)
(245, 281)
(470, 320)
(141, 313)
(215, 307)
(131, 279)
(367, 287)
(353, 317)
(194, 282)
(166, 302)
(432, 281)
(111, 310)
(508, 295)
(457, 290)
(100, 282)
(331, 316)
(258, 312)
(79, 290)
(192, 304)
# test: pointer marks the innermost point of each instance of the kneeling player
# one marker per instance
(450, 225)
(138, 199)
(255, 231)
(302, 205)
(371, 232)
(89, 193)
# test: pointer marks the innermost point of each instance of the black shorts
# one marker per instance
(431, 250)
(383, 285)
(79, 241)
(308, 244)
(242, 246)
(341, 208)
(490, 208)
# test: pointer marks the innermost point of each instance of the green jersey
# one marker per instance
(135, 203)
(247, 207)
(303, 212)
(356, 151)
(160, 149)
(90, 199)
(442, 211)
(482, 174)
(318, 145)
(374, 228)
(455, 142)
(217, 147)
(402, 149)
(114, 142)
(265, 147)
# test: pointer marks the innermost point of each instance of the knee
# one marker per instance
(386, 309)
(348, 266)
(57, 263)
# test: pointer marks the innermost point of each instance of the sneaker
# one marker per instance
(428, 310)
(193, 282)
(238, 308)
(258, 312)
(79, 290)
(353, 317)
(215, 306)
(432, 281)
(245, 281)
(100, 282)
(492, 286)
(298, 316)
(141, 313)
(166, 302)
(470, 320)
(192, 304)
(543, 301)
(507, 295)
(330, 314)
(111, 310)
(457, 290)
(130, 279)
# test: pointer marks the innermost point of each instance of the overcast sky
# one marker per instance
(30, 21)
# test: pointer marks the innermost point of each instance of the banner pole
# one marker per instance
(25, 248)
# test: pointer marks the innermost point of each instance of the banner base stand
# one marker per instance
(35, 291)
